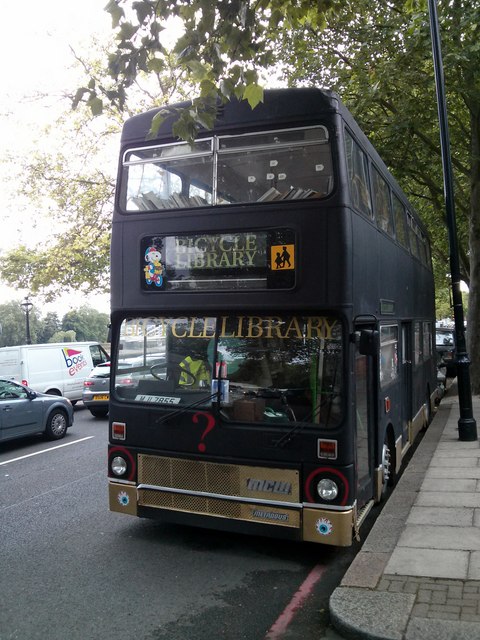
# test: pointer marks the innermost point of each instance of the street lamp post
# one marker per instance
(467, 426)
(27, 306)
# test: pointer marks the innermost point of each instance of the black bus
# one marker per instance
(272, 322)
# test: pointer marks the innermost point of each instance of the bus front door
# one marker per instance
(406, 373)
(364, 418)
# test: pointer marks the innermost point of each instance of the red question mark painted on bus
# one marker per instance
(210, 424)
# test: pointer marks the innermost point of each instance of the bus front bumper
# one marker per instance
(304, 523)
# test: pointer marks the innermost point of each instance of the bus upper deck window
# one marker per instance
(168, 177)
(275, 165)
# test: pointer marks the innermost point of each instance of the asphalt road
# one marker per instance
(70, 569)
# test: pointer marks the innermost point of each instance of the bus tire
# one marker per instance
(57, 424)
(388, 464)
(428, 413)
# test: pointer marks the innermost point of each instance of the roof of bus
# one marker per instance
(300, 106)
(288, 105)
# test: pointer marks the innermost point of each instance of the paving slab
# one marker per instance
(441, 516)
(445, 537)
(448, 499)
(435, 563)
(459, 485)
(428, 629)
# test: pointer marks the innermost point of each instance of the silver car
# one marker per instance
(24, 412)
(96, 390)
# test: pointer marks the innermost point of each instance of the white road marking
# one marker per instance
(37, 453)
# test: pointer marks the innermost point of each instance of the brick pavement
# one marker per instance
(438, 598)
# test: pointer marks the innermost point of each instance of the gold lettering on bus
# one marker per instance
(202, 328)
(274, 327)
(217, 252)
(297, 327)
(227, 260)
(174, 323)
(319, 327)
(255, 328)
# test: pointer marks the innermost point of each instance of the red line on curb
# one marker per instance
(279, 627)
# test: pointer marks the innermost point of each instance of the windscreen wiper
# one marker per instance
(294, 431)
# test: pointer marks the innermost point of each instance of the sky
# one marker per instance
(36, 59)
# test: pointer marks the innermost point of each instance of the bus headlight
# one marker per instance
(327, 489)
(118, 466)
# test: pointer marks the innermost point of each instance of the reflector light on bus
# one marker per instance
(119, 430)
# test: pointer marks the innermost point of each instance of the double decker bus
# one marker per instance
(272, 322)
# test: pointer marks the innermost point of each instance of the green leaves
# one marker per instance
(253, 93)
(217, 39)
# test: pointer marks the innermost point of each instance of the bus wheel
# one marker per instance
(428, 412)
(388, 466)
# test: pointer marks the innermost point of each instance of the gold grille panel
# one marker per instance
(278, 485)
(219, 508)
(187, 478)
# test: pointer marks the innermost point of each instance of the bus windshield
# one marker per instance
(261, 369)
(261, 167)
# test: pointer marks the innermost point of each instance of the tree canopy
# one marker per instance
(79, 324)
(222, 48)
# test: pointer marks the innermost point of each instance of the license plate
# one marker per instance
(101, 397)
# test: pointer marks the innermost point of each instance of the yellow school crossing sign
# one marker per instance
(282, 257)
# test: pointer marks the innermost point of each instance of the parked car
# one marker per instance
(24, 412)
(446, 352)
(96, 390)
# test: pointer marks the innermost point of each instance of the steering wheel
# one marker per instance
(175, 369)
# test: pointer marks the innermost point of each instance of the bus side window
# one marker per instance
(381, 199)
(358, 176)
(400, 222)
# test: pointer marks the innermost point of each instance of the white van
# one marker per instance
(57, 368)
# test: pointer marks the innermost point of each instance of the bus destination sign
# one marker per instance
(228, 261)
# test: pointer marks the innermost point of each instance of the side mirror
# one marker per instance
(31, 395)
(368, 343)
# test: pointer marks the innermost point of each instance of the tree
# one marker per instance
(72, 186)
(48, 327)
(379, 59)
(12, 320)
(87, 323)
(64, 336)
(221, 48)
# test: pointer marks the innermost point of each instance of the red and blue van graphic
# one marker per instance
(74, 360)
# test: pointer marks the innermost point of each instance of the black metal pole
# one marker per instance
(467, 426)
(27, 305)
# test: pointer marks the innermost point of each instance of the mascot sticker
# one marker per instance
(154, 268)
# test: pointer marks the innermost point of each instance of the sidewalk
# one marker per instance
(417, 576)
